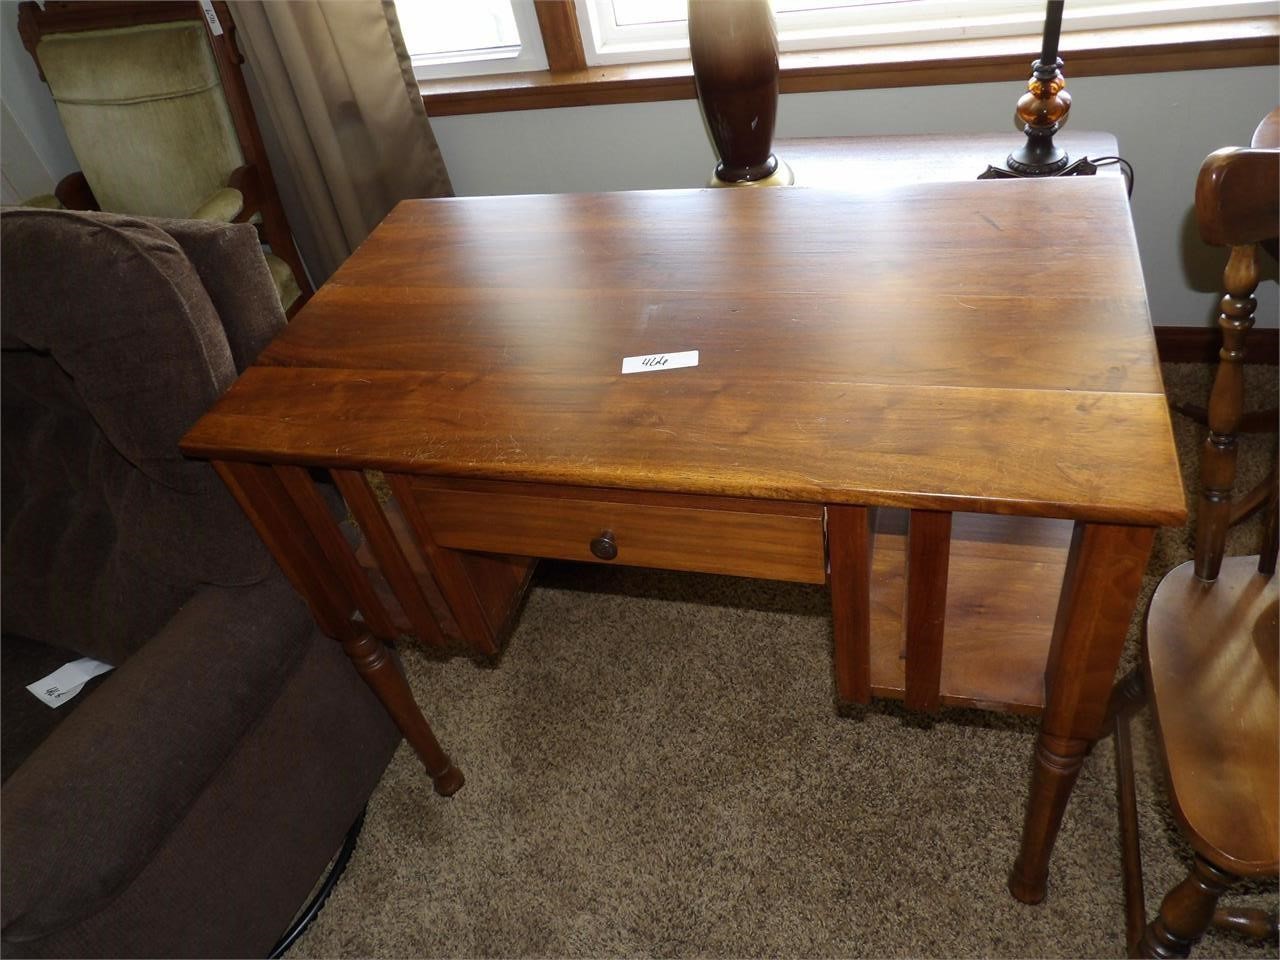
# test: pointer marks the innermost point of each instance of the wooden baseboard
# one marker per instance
(1200, 345)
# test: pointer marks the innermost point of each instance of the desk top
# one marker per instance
(960, 346)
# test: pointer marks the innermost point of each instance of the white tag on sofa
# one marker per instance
(65, 682)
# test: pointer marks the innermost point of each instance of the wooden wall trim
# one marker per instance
(1183, 46)
(1200, 345)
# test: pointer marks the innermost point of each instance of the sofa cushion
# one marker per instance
(27, 721)
(107, 528)
(85, 814)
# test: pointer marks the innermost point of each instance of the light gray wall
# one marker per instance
(1165, 123)
(34, 153)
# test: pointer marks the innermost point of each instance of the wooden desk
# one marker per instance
(982, 347)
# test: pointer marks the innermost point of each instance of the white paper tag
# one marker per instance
(660, 361)
(214, 26)
(65, 682)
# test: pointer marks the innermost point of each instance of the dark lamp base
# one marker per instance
(1084, 167)
(761, 171)
(1038, 160)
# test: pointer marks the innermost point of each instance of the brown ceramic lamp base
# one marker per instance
(733, 45)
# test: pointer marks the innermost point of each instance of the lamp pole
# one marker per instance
(1043, 108)
(1042, 111)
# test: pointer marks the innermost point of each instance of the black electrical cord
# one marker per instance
(1125, 165)
(317, 902)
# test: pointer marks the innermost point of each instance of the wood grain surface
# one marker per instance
(739, 537)
(997, 637)
(982, 346)
(340, 555)
(850, 537)
(561, 38)
(924, 619)
(392, 557)
(1212, 655)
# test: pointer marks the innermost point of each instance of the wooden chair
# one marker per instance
(154, 103)
(1210, 664)
(1266, 136)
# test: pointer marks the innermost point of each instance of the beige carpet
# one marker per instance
(656, 769)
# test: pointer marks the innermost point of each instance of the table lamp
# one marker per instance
(1042, 111)
(734, 48)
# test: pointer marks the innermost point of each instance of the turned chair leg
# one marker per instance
(1270, 533)
(1127, 698)
(1186, 912)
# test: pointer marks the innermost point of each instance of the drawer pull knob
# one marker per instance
(604, 546)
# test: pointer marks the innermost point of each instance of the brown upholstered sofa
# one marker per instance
(187, 804)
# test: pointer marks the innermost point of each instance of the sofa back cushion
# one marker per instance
(112, 350)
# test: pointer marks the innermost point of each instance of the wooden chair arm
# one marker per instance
(247, 180)
(1238, 196)
(74, 193)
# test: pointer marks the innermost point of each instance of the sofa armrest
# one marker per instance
(87, 811)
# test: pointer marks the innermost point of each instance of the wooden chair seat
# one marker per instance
(1212, 670)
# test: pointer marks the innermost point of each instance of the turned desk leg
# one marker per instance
(308, 546)
(1103, 577)
(379, 670)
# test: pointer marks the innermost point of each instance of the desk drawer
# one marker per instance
(746, 538)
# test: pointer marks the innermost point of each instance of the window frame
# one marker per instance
(570, 82)
(530, 55)
(883, 23)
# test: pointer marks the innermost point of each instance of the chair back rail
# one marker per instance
(1238, 206)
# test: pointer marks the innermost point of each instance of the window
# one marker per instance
(455, 38)
(465, 38)
(596, 51)
(630, 31)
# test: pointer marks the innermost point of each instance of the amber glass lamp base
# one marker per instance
(1042, 111)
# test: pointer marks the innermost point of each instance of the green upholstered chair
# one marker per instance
(155, 106)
